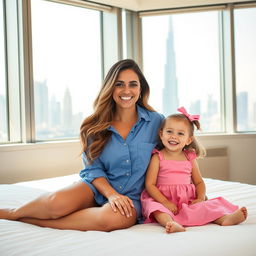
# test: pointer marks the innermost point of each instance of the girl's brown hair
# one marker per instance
(94, 133)
(195, 145)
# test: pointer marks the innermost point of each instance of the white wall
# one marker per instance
(242, 159)
(27, 162)
(37, 161)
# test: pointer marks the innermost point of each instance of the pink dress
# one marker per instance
(174, 181)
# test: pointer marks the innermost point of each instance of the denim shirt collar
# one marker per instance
(142, 114)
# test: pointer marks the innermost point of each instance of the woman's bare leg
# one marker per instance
(166, 221)
(54, 205)
(96, 218)
(234, 218)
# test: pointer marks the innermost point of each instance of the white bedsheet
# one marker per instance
(20, 239)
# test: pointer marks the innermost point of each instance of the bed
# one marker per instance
(20, 239)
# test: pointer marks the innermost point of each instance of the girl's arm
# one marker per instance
(198, 182)
(117, 201)
(150, 184)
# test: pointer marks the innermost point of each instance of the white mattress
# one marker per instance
(20, 239)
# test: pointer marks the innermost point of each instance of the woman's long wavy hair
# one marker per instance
(94, 133)
(195, 145)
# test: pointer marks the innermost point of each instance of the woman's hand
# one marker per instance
(118, 202)
(121, 203)
(171, 206)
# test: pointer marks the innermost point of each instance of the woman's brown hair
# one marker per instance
(94, 133)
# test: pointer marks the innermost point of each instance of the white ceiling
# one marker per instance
(143, 5)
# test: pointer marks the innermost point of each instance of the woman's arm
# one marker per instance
(95, 173)
(150, 184)
(198, 182)
(117, 201)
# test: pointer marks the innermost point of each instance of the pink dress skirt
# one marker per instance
(174, 182)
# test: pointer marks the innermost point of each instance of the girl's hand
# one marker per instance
(171, 206)
(198, 200)
(121, 203)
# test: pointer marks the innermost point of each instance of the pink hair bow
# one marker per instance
(190, 117)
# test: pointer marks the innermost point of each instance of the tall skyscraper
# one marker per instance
(41, 104)
(212, 106)
(55, 113)
(170, 90)
(67, 110)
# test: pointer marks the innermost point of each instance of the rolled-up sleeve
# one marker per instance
(92, 171)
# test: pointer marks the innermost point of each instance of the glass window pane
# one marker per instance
(182, 64)
(245, 52)
(66, 66)
(3, 99)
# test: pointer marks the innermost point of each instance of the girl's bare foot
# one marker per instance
(7, 214)
(172, 226)
(234, 218)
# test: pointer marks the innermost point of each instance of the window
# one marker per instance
(183, 55)
(66, 67)
(10, 118)
(3, 99)
(181, 61)
(245, 61)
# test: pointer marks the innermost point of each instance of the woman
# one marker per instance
(117, 141)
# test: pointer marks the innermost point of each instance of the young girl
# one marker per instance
(175, 191)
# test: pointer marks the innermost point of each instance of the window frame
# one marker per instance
(35, 134)
(19, 71)
(227, 62)
(12, 88)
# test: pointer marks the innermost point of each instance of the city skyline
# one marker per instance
(175, 75)
(56, 120)
(199, 63)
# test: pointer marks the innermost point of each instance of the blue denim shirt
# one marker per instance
(124, 162)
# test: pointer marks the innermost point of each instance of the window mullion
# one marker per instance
(222, 72)
(4, 123)
(133, 36)
(26, 73)
(12, 51)
(112, 46)
(229, 69)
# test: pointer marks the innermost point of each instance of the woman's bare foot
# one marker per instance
(7, 214)
(172, 226)
(234, 218)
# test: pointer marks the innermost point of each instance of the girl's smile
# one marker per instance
(175, 135)
(171, 142)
